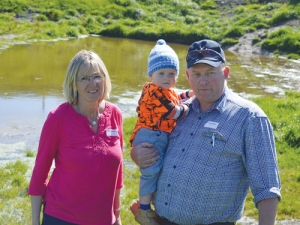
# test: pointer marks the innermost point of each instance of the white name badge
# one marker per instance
(111, 132)
(211, 124)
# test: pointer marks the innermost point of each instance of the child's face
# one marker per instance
(165, 78)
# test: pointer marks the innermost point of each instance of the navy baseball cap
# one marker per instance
(205, 51)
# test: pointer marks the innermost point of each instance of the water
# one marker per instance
(31, 78)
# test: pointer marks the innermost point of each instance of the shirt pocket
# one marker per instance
(215, 138)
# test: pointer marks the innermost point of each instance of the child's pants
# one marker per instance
(149, 176)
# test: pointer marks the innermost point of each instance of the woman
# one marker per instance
(84, 138)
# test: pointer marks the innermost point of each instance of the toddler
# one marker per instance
(158, 109)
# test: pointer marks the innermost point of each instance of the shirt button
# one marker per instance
(174, 166)
(191, 134)
(169, 185)
(183, 150)
(166, 203)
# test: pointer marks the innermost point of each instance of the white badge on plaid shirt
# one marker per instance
(211, 124)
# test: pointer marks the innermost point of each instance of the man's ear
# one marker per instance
(187, 74)
(226, 72)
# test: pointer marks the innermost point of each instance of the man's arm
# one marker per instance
(267, 210)
(144, 155)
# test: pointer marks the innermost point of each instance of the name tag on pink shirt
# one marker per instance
(111, 132)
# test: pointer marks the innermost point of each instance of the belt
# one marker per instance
(164, 221)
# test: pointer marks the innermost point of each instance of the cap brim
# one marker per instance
(216, 63)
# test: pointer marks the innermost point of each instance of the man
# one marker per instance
(224, 146)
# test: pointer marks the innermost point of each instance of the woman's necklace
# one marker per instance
(93, 122)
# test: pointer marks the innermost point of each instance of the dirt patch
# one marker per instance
(9, 37)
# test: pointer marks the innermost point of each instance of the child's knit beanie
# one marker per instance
(162, 56)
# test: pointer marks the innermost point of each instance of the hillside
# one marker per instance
(244, 26)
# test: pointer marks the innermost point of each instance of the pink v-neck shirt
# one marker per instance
(88, 165)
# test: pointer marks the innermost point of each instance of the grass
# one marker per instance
(176, 21)
(30, 153)
(14, 200)
(288, 42)
(284, 115)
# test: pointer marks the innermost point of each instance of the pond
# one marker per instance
(31, 77)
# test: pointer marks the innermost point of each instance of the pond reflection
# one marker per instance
(31, 78)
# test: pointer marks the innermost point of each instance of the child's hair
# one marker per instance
(162, 56)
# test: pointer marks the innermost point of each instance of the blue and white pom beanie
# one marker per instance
(162, 56)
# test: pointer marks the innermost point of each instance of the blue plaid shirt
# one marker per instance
(212, 159)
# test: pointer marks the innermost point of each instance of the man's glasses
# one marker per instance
(206, 54)
(87, 79)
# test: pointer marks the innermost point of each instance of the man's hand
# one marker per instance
(144, 155)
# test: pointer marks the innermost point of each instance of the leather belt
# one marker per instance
(164, 221)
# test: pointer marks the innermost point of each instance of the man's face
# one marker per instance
(207, 83)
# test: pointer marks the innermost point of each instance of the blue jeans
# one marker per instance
(50, 220)
(149, 176)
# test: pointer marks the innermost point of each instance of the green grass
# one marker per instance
(176, 21)
(283, 40)
(30, 153)
(284, 115)
(14, 200)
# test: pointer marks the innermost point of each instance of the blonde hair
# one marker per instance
(80, 64)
